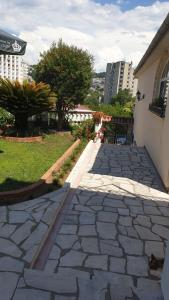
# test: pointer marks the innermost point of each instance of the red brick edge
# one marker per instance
(36, 189)
(22, 139)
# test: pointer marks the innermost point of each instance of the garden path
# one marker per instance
(118, 217)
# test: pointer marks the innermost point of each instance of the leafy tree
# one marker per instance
(68, 70)
(25, 100)
(123, 97)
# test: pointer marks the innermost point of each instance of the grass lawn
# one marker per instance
(24, 163)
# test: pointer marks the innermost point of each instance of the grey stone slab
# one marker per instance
(122, 229)
(97, 262)
(114, 203)
(8, 283)
(136, 210)
(87, 218)
(133, 201)
(51, 265)
(28, 257)
(3, 214)
(66, 241)
(143, 221)
(106, 230)
(68, 229)
(160, 220)
(148, 289)
(91, 290)
(156, 248)
(58, 297)
(117, 265)
(104, 216)
(132, 232)
(50, 213)
(90, 245)
(31, 294)
(38, 202)
(10, 264)
(72, 259)
(87, 230)
(35, 236)
(55, 252)
(50, 282)
(164, 211)
(130, 245)
(74, 273)
(17, 217)
(71, 219)
(137, 266)
(6, 230)
(146, 233)
(110, 248)
(125, 221)
(95, 201)
(37, 216)
(82, 208)
(22, 232)
(162, 231)
(123, 211)
(151, 210)
(9, 248)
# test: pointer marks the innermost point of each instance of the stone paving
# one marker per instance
(118, 217)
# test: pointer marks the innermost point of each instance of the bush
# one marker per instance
(5, 118)
(85, 130)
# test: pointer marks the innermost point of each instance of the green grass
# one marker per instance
(24, 163)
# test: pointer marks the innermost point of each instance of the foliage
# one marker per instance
(85, 130)
(5, 118)
(68, 70)
(24, 163)
(100, 75)
(58, 178)
(25, 100)
(92, 99)
(123, 97)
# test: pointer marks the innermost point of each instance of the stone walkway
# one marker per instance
(118, 217)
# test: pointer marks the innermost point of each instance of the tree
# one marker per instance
(25, 100)
(123, 97)
(68, 70)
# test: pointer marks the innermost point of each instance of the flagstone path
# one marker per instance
(118, 217)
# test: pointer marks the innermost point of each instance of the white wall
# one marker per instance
(149, 129)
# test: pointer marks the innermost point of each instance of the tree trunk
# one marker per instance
(21, 124)
(60, 120)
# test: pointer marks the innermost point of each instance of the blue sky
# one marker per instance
(129, 4)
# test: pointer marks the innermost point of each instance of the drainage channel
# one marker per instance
(74, 179)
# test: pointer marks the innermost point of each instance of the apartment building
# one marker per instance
(119, 75)
(13, 67)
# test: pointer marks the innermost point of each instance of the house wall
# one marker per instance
(151, 130)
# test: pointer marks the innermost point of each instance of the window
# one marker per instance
(161, 90)
(164, 84)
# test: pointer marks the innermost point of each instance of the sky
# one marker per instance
(110, 30)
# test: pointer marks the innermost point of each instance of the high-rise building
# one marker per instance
(119, 76)
(13, 67)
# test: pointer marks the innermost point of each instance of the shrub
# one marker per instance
(85, 130)
(5, 118)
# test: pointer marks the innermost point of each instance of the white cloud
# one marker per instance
(104, 30)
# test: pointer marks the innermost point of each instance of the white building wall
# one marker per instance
(12, 67)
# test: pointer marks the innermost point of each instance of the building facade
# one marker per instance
(13, 67)
(119, 76)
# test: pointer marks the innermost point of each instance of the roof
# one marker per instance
(158, 37)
